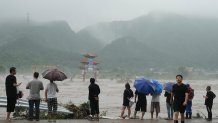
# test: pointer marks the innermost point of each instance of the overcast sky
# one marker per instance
(81, 13)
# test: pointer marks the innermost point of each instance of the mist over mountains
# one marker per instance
(162, 41)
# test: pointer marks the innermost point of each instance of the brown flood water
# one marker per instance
(111, 94)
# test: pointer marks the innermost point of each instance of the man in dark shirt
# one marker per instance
(209, 102)
(94, 91)
(11, 91)
(141, 104)
(180, 97)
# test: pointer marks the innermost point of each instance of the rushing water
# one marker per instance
(76, 91)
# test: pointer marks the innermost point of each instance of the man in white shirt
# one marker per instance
(155, 104)
(51, 98)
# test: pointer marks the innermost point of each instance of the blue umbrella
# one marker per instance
(169, 86)
(158, 87)
(144, 86)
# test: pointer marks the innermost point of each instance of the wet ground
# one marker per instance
(113, 121)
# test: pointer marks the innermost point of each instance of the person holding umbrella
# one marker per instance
(52, 89)
(51, 99)
(141, 104)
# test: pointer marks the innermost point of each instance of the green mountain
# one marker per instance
(183, 40)
(23, 44)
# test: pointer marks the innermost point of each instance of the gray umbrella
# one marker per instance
(54, 75)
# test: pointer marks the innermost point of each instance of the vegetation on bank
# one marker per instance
(79, 112)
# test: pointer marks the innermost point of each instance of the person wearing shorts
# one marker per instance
(51, 99)
(127, 95)
(180, 96)
(155, 105)
(141, 104)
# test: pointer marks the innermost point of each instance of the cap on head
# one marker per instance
(92, 80)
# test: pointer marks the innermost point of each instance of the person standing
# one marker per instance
(180, 98)
(155, 104)
(11, 92)
(94, 92)
(141, 104)
(34, 97)
(188, 109)
(209, 102)
(169, 105)
(127, 95)
(51, 99)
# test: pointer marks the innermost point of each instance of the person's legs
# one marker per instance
(182, 117)
(188, 110)
(152, 109)
(176, 111)
(143, 109)
(157, 107)
(92, 106)
(168, 110)
(171, 111)
(11, 102)
(49, 102)
(37, 103)
(129, 111)
(209, 112)
(182, 111)
(31, 105)
(143, 113)
(176, 115)
(97, 109)
(122, 111)
(137, 108)
(55, 107)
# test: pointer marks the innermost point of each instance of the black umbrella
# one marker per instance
(54, 75)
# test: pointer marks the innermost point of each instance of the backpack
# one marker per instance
(190, 93)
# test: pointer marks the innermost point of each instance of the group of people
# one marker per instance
(177, 102)
(34, 95)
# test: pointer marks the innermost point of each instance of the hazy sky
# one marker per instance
(81, 13)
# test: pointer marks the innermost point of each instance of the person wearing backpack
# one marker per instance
(209, 102)
(188, 109)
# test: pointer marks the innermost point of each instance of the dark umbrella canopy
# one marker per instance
(54, 75)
